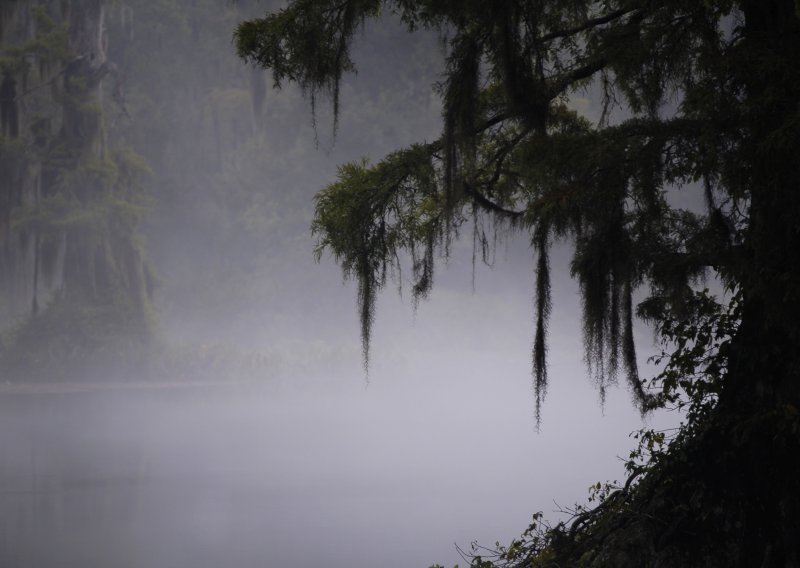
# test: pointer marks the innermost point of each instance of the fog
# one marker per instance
(391, 475)
(305, 458)
(439, 447)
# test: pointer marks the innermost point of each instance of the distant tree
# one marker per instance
(697, 97)
(75, 284)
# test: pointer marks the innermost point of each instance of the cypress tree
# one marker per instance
(697, 97)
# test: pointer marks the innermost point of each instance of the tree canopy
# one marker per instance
(697, 97)
(678, 84)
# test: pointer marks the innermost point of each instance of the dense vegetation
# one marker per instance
(698, 98)
(121, 181)
(184, 215)
(72, 267)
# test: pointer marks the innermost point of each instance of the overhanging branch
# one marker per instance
(490, 205)
(588, 24)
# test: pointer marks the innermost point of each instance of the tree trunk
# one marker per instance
(756, 418)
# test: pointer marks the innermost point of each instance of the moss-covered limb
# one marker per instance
(553, 186)
(709, 98)
(375, 214)
(333, 25)
(599, 182)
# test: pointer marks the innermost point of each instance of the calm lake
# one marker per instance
(388, 475)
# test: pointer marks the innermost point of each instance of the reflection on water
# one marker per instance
(391, 475)
(166, 478)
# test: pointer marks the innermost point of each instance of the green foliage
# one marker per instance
(55, 214)
(512, 150)
(281, 42)
(371, 214)
(72, 262)
(49, 45)
(695, 352)
(220, 198)
(73, 341)
(698, 105)
(669, 511)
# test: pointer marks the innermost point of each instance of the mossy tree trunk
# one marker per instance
(68, 195)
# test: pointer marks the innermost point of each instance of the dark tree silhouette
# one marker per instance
(698, 97)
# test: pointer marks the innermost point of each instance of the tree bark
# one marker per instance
(757, 412)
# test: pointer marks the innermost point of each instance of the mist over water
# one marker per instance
(387, 477)
(439, 447)
(308, 460)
